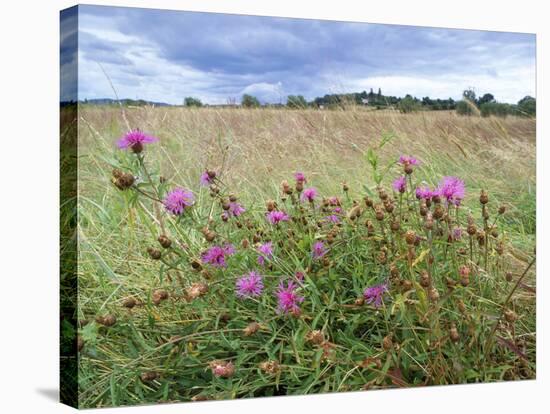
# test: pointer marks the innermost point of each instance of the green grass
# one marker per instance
(256, 150)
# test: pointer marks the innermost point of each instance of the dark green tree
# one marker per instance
(190, 101)
(249, 101)
(296, 101)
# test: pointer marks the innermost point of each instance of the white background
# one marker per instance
(29, 200)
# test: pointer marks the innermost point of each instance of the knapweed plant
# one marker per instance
(307, 292)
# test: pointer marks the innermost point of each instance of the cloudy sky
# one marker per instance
(167, 55)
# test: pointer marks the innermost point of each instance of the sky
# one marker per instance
(165, 56)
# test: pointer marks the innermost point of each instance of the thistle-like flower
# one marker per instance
(177, 200)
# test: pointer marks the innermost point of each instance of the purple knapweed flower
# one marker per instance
(300, 177)
(177, 200)
(135, 140)
(309, 194)
(333, 218)
(457, 233)
(424, 193)
(276, 216)
(319, 250)
(452, 189)
(287, 299)
(249, 286)
(236, 209)
(266, 252)
(206, 179)
(216, 255)
(407, 159)
(373, 295)
(400, 184)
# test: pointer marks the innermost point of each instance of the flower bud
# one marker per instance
(433, 294)
(270, 367)
(387, 343)
(107, 320)
(129, 302)
(164, 241)
(484, 197)
(155, 254)
(410, 237)
(251, 329)
(510, 316)
(453, 334)
(149, 376)
(425, 280)
(315, 337)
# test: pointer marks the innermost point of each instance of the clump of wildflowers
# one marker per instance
(216, 255)
(374, 294)
(135, 140)
(177, 200)
(276, 216)
(249, 286)
(288, 299)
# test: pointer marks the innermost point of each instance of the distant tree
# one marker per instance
(496, 109)
(527, 106)
(487, 98)
(470, 95)
(296, 101)
(190, 101)
(379, 94)
(250, 101)
(465, 107)
(408, 104)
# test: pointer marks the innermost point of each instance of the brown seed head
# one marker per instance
(315, 337)
(510, 316)
(387, 343)
(433, 294)
(270, 367)
(484, 197)
(453, 333)
(155, 254)
(164, 241)
(251, 329)
(149, 376)
(129, 302)
(107, 320)
(410, 236)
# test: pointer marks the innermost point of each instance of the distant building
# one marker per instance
(365, 101)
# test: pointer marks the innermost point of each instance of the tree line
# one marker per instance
(470, 104)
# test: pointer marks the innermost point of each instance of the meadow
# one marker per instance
(160, 322)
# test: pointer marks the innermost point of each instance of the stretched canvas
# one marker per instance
(258, 206)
